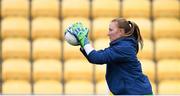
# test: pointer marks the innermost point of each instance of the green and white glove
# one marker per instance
(81, 33)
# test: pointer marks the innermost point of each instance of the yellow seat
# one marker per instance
(70, 20)
(16, 69)
(169, 87)
(46, 48)
(168, 69)
(102, 88)
(144, 26)
(148, 67)
(167, 48)
(166, 28)
(15, 8)
(134, 8)
(46, 27)
(45, 8)
(100, 71)
(16, 87)
(15, 48)
(47, 87)
(47, 69)
(77, 69)
(101, 27)
(101, 43)
(75, 8)
(69, 50)
(107, 8)
(79, 87)
(15, 27)
(147, 51)
(165, 8)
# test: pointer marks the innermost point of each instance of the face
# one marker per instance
(115, 32)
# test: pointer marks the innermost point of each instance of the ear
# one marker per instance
(121, 31)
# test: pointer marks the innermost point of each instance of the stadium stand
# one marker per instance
(100, 27)
(168, 69)
(160, 8)
(147, 51)
(69, 50)
(166, 28)
(16, 69)
(16, 87)
(15, 27)
(47, 69)
(167, 48)
(102, 88)
(75, 8)
(15, 48)
(169, 87)
(84, 87)
(46, 27)
(107, 8)
(47, 87)
(15, 8)
(132, 8)
(46, 48)
(148, 68)
(45, 8)
(78, 69)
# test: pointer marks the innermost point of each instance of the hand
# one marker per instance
(80, 32)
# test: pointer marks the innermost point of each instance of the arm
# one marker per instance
(108, 55)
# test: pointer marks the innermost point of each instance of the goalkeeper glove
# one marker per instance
(80, 32)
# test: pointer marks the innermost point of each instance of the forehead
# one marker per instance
(113, 24)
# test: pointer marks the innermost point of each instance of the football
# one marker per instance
(71, 39)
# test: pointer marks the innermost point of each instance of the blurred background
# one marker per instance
(35, 59)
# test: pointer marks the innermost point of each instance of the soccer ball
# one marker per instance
(71, 39)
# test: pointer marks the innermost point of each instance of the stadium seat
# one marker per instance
(168, 69)
(102, 88)
(15, 8)
(15, 48)
(134, 8)
(169, 87)
(148, 68)
(70, 20)
(47, 87)
(81, 87)
(78, 69)
(15, 27)
(69, 50)
(154, 88)
(100, 27)
(166, 8)
(46, 27)
(16, 69)
(107, 8)
(166, 28)
(75, 8)
(45, 8)
(167, 48)
(46, 48)
(100, 71)
(101, 43)
(16, 87)
(145, 26)
(47, 69)
(147, 51)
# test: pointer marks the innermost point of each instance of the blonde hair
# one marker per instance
(131, 29)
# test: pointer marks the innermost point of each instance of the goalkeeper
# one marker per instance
(124, 74)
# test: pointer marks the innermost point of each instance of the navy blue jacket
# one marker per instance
(123, 72)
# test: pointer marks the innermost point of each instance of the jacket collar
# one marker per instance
(120, 39)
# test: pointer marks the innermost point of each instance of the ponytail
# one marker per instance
(135, 32)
